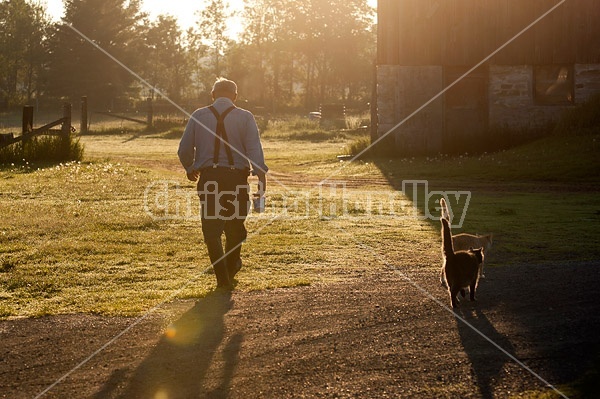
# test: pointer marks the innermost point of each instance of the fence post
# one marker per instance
(27, 128)
(66, 126)
(150, 112)
(27, 119)
(66, 131)
(83, 125)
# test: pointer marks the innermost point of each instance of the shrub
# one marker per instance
(43, 148)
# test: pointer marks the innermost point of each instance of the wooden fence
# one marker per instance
(28, 132)
(148, 122)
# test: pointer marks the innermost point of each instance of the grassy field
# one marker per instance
(119, 232)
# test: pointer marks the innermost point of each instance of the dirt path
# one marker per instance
(372, 337)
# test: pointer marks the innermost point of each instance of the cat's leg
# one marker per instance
(453, 296)
(481, 270)
(472, 288)
(462, 292)
(443, 278)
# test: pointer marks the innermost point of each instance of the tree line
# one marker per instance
(290, 54)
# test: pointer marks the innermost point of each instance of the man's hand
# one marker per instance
(262, 184)
(193, 175)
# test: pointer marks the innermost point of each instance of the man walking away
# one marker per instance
(221, 146)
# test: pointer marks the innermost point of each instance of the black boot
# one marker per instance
(235, 233)
(222, 275)
(233, 266)
(217, 258)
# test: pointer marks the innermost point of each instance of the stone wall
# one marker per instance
(402, 90)
(511, 102)
(587, 81)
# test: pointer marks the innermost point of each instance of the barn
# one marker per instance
(452, 75)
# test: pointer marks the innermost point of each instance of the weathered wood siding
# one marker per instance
(463, 32)
(424, 45)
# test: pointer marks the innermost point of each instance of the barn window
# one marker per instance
(554, 84)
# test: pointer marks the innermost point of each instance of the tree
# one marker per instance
(330, 36)
(212, 27)
(323, 51)
(78, 68)
(200, 79)
(23, 34)
(267, 41)
(166, 62)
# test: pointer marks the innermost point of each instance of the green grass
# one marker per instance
(91, 236)
(555, 158)
(88, 236)
(303, 129)
(584, 387)
(540, 200)
(80, 240)
(46, 149)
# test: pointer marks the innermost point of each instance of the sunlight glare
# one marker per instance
(183, 10)
(170, 332)
(184, 333)
(161, 395)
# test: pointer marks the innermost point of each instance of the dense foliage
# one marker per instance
(292, 53)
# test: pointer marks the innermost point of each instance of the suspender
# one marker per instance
(222, 135)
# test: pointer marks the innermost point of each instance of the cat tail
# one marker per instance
(447, 246)
(444, 209)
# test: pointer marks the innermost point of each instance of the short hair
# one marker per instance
(224, 85)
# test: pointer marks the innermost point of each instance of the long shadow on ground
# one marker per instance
(487, 362)
(179, 364)
(554, 322)
(554, 316)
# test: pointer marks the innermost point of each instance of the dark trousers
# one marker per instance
(225, 204)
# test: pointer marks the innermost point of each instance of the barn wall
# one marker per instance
(388, 111)
(511, 101)
(587, 81)
(401, 91)
(419, 41)
(464, 32)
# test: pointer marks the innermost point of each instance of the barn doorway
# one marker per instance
(465, 110)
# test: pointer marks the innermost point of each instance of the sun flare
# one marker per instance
(183, 10)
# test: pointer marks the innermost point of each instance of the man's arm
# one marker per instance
(262, 183)
(187, 150)
(254, 150)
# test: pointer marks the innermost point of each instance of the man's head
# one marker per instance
(224, 88)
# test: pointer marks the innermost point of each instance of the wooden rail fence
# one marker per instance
(28, 132)
(149, 114)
